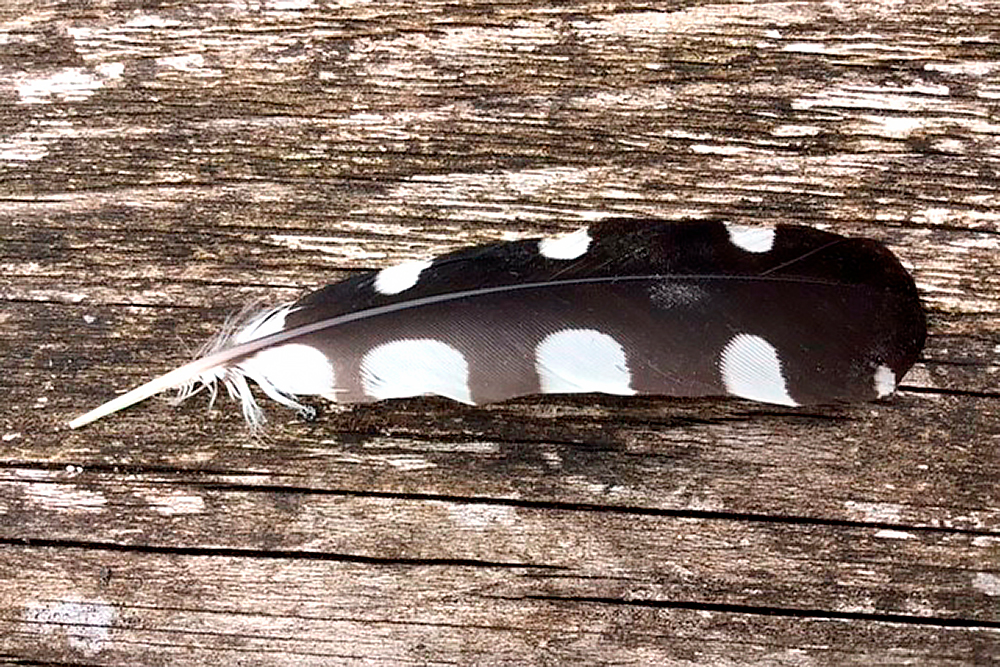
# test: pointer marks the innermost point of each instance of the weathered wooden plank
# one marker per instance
(599, 552)
(108, 608)
(161, 166)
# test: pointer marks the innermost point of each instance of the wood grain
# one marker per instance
(164, 164)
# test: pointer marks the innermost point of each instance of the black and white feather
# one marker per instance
(787, 315)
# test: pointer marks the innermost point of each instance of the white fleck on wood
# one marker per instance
(987, 582)
(888, 534)
(71, 84)
(173, 503)
(85, 625)
(63, 498)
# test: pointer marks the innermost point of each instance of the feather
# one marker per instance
(787, 315)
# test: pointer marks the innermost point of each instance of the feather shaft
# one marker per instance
(195, 369)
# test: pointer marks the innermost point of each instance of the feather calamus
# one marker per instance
(788, 315)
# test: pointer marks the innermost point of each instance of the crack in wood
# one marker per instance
(288, 554)
(782, 611)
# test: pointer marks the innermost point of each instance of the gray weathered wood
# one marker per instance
(164, 164)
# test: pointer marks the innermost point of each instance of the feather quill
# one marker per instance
(787, 315)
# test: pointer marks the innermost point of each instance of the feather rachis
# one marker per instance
(239, 337)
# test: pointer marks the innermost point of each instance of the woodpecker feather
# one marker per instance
(787, 315)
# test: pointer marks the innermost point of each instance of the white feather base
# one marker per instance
(269, 369)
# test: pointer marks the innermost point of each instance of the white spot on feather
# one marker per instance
(885, 381)
(415, 367)
(399, 278)
(265, 324)
(566, 246)
(582, 360)
(293, 368)
(751, 369)
(751, 239)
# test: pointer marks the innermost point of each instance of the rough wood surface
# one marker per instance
(164, 163)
